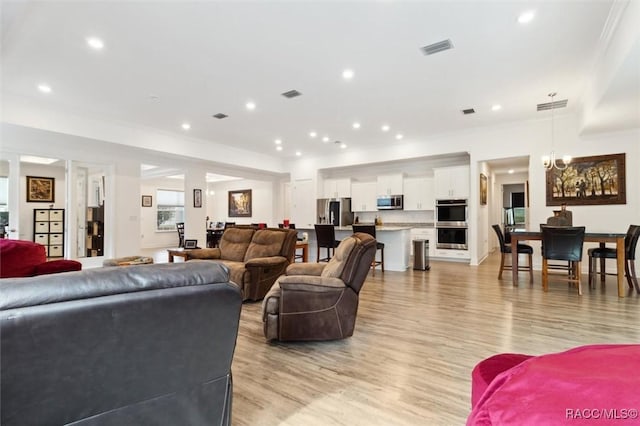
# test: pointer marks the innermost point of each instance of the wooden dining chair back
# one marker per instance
(563, 243)
(603, 253)
(325, 238)
(180, 228)
(505, 251)
(371, 230)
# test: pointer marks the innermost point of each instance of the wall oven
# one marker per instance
(451, 224)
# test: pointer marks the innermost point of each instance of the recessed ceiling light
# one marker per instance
(278, 141)
(95, 43)
(186, 126)
(385, 127)
(356, 125)
(526, 17)
(279, 148)
(325, 139)
(399, 136)
(312, 134)
(496, 107)
(250, 105)
(511, 171)
(343, 145)
(298, 153)
(44, 88)
(347, 74)
(37, 160)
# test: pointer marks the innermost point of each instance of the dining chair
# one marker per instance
(371, 230)
(180, 228)
(505, 251)
(603, 253)
(229, 225)
(326, 238)
(563, 243)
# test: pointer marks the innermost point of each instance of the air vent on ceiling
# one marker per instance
(220, 116)
(468, 111)
(552, 105)
(437, 47)
(291, 94)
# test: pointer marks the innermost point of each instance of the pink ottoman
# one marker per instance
(486, 370)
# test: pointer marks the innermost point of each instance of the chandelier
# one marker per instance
(550, 161)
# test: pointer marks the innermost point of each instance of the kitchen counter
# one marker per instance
(396, 240)
(382, 228)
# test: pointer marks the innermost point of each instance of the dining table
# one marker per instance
(590, 237)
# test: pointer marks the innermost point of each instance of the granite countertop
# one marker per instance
(389, 226)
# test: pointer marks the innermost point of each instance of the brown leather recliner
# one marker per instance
(315, 301)
(255, 258)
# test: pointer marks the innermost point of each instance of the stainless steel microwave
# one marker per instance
(390, 202)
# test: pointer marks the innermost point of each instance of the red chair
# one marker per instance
(20, 258)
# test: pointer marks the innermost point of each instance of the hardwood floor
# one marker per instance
(418, 335)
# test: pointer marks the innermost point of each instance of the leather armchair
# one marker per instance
(315, 301)
(255, 258)
(141, 345)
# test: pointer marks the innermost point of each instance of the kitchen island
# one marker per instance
(396, 239)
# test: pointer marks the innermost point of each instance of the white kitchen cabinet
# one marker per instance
(337, 188)
(363, 197)
(419, 194)
(462, 255)
(451, 182)
(390, 185)
(428, 234)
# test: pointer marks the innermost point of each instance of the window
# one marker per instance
(170, 209)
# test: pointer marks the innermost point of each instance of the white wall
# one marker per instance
(26, 209)
(149, 236)
(266, 196)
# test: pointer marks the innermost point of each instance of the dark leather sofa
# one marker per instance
(134, 345)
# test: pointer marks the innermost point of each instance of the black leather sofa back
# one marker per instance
(136, 345)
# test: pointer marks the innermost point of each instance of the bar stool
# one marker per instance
(371, 230)
(326, 238)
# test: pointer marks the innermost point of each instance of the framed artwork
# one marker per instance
(190, 244)
(197, 198)
(483, 190)
(40, 189)
(595, 180)
(240, 203)
(147, 201)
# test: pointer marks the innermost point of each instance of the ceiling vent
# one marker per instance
(552, 105)
(437, 47)
(220, 116)
(291, 94)
(468, 111)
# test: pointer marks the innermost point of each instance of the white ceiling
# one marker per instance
(202, 58)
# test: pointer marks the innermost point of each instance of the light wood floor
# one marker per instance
(417, 337)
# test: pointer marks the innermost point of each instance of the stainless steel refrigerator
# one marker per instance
(336, 211)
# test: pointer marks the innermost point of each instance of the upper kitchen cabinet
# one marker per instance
(451, 182)
(390, 185)
(364, 197)
(419, 194)
(337, 188)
